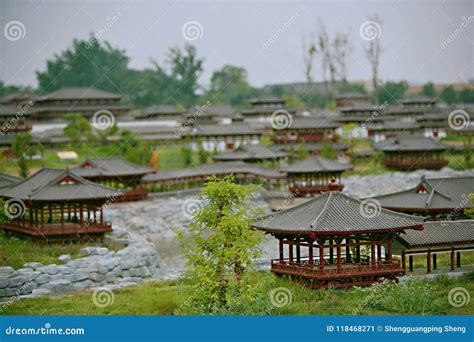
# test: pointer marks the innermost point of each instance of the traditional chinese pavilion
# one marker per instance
(435, 198)
(391, 128)
(315, 175)
(57, 204)
(324, 240)
(306, 129)
(196, 177)
(262, 108)
(7, 180)
(252, 154)
(350, 99)
(443, 237)
(118, 173)
(412, 152)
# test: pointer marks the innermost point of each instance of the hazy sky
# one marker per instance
(265, 37)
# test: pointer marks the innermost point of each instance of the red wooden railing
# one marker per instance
(58, 229)
(416, 164)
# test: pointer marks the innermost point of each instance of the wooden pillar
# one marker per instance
(389, 251)
(81, 215)
(435, 266)
(404, 257)
(280, 243)
(331, 252)
(458, 259)
(410, 263)
(298, 253)
(62, 215)
(310, 255)
(452, 260)
(379, 254)
(348, 251)
(101, 215)
(372, 254)
(42, 216)
(321, 254)
(358, 252)
(428, 262)
(290, 252)
(339, 260)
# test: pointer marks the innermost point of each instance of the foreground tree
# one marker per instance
(23, 148)
(221, 248)
(78, 129)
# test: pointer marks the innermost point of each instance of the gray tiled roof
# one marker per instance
(440, 233)
(111, 167)
(250, 152)
(351, 95)
(441, 193)
(311, 123)
(409, 143)
(79, 93)
(336, 213)
(312, 146)
(45, 186)
(217, 169)
(7, 180)
(223, 130)
(317, 164)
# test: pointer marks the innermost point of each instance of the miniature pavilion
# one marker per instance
(435, 198)
(442, 237)
(117, 173)
(332, 240)
(408, 152)
(308, 129)
(252, 154)
(196, 177)
(315, 175)
(7, 180)
(57, 204)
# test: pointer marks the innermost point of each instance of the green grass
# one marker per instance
(167, 298)
(442, 259)
(16, 251)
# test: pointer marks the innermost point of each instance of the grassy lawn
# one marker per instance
(15, 252)
(164, 298)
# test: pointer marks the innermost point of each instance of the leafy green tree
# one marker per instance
(78, 129)
(229, 85)
(23, 148)
(466, 95)
(132, 149)
(328, 150)
(221, 248)
(428, 90)
(186, 68)
(186, 152)
(391, 91)
(448, 95)
(86, 63)
(203, 155)
(104, 134)
(302, 151)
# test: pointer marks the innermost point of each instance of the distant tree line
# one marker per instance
(92, 63)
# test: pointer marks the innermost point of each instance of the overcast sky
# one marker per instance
(265, 37)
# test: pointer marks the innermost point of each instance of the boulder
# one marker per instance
(64, 258)
(49, 269)
(59, 287)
